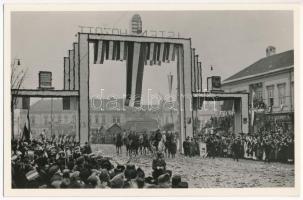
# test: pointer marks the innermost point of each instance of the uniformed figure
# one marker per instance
(236, 148)
(158, 166)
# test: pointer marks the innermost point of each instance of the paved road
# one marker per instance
(218, 172)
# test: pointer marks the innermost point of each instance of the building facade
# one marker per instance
(270, 84)
(48, 116)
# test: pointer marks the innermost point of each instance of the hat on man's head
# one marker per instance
(176, 179)
(130, 173)
(140, 173)
(93, 180)
(53, 169)
(130, 166)
(104, 176)
(117, 181)
(56, 177)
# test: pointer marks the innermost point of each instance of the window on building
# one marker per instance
(270, 94)
(259, 93)
(281, 93)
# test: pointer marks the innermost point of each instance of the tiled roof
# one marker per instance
(267, 64)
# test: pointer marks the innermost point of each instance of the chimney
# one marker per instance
(270, 50)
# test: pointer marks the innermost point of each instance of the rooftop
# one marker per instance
(265, 65)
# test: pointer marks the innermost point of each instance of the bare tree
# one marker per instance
(17, 78)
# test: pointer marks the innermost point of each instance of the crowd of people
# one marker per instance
(264, 146)
(47, 163)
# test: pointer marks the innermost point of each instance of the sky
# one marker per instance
(227, 40)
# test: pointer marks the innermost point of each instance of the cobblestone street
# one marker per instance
(218, 172)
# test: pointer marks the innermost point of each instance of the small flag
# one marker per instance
(211, 68)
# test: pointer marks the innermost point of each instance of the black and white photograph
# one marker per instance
(150, 99)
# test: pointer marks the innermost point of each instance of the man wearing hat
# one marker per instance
(158, 166)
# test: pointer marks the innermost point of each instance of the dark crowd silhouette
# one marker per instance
(62, 163)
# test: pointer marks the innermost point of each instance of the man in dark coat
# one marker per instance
(158, 166)
(236, 148)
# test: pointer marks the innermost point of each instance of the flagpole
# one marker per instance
(51, 117)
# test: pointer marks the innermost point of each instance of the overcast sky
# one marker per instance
(228, 40)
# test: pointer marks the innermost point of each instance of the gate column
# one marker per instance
(83, 58)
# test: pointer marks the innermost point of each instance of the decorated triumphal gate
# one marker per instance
(138, 52)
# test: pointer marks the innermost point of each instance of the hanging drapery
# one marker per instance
(196, 73)
(135, 67)
(129, 66)
(139, 81)
(200, 76)
(76, 63)
(151, 53)
(72, 70)
(136, 54)
(66, 73)
(193, 69)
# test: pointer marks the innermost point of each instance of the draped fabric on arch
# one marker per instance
(137, 55)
